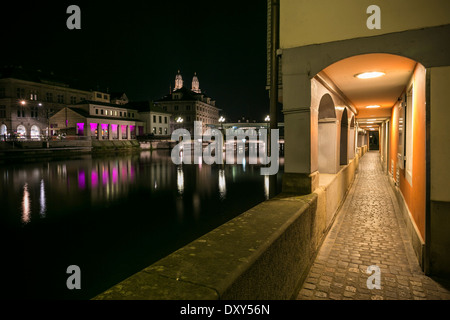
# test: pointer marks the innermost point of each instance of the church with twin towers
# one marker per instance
(188, 105)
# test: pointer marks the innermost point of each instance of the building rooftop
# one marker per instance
(39, 76)
(146, 106)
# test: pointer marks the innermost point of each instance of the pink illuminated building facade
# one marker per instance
(98, 120)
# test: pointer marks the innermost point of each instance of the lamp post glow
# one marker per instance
(221, 120)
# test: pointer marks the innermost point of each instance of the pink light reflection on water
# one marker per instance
(81, 179)
(115, 175)
(94, 179)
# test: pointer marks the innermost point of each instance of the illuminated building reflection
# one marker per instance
(222, 184)
(26, 204)
(180, 180)
(42, 202)
(267, 187)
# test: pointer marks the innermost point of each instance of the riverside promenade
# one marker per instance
(369, 230)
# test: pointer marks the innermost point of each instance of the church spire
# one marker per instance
(178, 81)
(195, 84)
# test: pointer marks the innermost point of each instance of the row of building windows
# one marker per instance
(99, 95)
(114, 113)
(188, 108)
(159, 118)
(160, 130)
(33, 95)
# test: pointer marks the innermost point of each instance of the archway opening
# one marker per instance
(35, 132)
(327, 136)
(21, 132)
(3, 132)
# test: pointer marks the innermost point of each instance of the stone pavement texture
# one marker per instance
(369, 231)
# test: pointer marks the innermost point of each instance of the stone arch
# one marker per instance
(343, 145)
(35, 132)
(412, 44)
(3, 131)
(326, 107)
(21, 131)
(327, 136)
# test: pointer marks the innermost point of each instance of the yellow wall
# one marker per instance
(440, 133)
(414, 194)
(304, 22)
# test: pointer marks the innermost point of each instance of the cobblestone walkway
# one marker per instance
(369, 231)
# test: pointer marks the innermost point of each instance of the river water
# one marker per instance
(111, 216)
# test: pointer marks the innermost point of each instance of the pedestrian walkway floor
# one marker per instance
(369, 231)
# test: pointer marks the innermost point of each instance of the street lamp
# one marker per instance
(221, 120)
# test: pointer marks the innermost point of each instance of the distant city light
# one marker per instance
(267, 118)
(221, 119)
(22, 102)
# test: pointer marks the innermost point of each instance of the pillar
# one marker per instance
(110, 136)
(301, 131)
(351, 143)
(128, 133)
(119, 131)
(99, 131)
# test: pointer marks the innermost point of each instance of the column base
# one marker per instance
(300, 183)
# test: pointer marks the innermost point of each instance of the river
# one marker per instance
(111, 216)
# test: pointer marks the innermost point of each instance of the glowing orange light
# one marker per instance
(369, 75)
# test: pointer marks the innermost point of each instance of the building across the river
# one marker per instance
(189, 105)
(98, 120)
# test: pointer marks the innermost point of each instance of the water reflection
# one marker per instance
(180, 180)
(222, 184)
(142, 204)
(54, 186)
(26, 204)
(42, 203)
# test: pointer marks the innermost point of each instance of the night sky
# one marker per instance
(138, 46)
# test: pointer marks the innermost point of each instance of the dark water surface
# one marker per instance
(112, 216)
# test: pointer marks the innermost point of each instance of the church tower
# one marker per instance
(178, 81)
(195, 84)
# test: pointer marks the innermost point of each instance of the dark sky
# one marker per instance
(138, 46)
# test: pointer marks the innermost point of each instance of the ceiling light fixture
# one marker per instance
(369, 75)
(372, 107)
